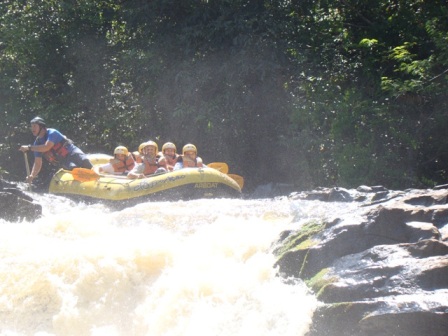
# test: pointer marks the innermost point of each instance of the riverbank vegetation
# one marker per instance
(311, 93)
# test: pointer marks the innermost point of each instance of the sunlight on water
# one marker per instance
(169, 268)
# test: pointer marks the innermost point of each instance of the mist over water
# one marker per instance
(168, 268)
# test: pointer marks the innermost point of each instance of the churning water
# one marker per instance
(200, 267)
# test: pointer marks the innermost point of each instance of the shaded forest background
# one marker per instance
(310, 93)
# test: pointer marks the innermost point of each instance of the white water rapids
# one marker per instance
(200, 267)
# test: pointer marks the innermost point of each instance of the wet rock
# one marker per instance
(369, 189)
(442, 186)
(385, 273)
(418, 231)
(355, 318)
(380, 195)
(271, 190)
(339, 195)
(325, 195)
(432, 323)
(16, 205)
(427, 248)
(427, 199)
(365, 189)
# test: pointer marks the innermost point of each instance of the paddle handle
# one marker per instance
(27, 166)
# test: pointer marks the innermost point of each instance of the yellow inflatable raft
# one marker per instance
(187, 183)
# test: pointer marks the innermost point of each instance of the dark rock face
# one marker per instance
(383, 274)
(16, 205)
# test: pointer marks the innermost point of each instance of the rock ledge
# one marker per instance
(386, 274)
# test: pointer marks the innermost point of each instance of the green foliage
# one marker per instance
(319, 281)
(310, 93)
(368, 43)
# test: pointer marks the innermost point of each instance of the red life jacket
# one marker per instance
(57, 152)
(122, 166)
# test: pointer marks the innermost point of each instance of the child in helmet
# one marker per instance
(151, 163)
(121, 163)
(189, 158)
(170, 155)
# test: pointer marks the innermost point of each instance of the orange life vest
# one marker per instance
(57, 152)
(137, 157)
(171, 161)
(122, 166)
(151, 165)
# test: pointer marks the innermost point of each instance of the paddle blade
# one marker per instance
(221, 166)
(238, 179)
(84, 175)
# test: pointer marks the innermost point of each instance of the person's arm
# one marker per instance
(130, 163)
(137, 172)
(106, 168)
(38, 148)
(42, 148)
(178, 165)
(37, 166)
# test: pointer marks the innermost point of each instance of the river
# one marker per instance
(201, 267)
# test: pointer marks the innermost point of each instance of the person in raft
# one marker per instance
(151, 163)
(55, 147)
(138, 154)
(189, 158)
(170, 155)
(120, 164)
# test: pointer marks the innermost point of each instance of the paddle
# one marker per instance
(221, 166)
(27, 165)
(84, 174)
(238, 179)
(224, 168)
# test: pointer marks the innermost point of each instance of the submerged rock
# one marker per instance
(16, 205)
(385, 273)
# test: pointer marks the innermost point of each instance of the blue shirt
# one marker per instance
(55, 137)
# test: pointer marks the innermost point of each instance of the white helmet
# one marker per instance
(188, 148)
(121, 150)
